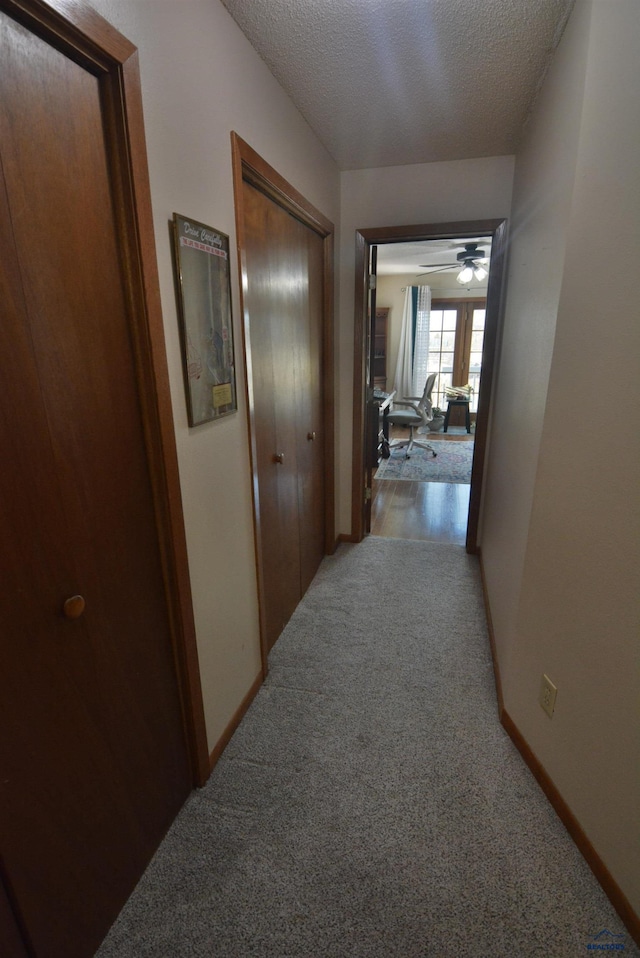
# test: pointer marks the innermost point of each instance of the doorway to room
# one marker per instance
(464, 335)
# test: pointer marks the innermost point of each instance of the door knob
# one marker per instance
(278, 457)
(311, 436)
(74, 607)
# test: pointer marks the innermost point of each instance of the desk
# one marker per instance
(467, 416)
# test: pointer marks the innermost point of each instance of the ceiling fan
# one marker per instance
(471, 262)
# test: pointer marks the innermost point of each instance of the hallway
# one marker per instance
(370, 805)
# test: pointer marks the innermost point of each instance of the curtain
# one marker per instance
(421, 342)
(411, 367)
(403, 380)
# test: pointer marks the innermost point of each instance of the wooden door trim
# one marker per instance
(250, 167)
(365, 238)
(83, 35)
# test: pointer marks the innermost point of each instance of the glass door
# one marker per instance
(456, 335)
(472, 353)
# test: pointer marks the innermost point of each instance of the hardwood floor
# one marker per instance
(433, 511)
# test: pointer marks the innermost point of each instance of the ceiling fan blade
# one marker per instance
(437, 265)
(437, 269)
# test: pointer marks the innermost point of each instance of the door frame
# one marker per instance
(365, 239)
(249, 166)
(86, 37)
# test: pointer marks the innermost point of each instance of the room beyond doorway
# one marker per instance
(362, 419)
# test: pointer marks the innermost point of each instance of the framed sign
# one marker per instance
(204, 301)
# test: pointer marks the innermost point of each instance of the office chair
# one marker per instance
(418, 413)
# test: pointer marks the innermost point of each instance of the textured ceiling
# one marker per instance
(391, 82)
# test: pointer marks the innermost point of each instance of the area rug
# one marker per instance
(452, 464)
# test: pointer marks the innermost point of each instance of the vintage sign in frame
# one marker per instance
(204, 302)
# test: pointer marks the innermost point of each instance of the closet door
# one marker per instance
(273, 383)
(92, 749)
(283, 301)
(310, 414)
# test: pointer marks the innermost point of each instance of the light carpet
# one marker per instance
(451, 464)
(370, 805)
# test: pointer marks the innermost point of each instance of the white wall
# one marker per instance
(545, 171)
(561, 523)
(200, 80)
(399, 196)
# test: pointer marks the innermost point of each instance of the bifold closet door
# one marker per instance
(284, 300)
(310, 413)
(92, 746)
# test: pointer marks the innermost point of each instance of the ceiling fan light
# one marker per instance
(480, 273)
(465, 274)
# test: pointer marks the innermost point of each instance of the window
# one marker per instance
(456, 335)
(474, 361)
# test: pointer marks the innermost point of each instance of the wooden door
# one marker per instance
(92, 746)
(12, 942)
(283, 300)
(310, 417)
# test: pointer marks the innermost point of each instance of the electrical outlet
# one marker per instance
(548, 693)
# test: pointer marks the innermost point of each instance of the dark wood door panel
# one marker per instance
(269, 258)
(285, 257)
(283, 312)
(310, 411)
(284, 300)
(61, 797)
(263, 384)
(12, 944)
(84, 354)
(91, 736)
(33, 519)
